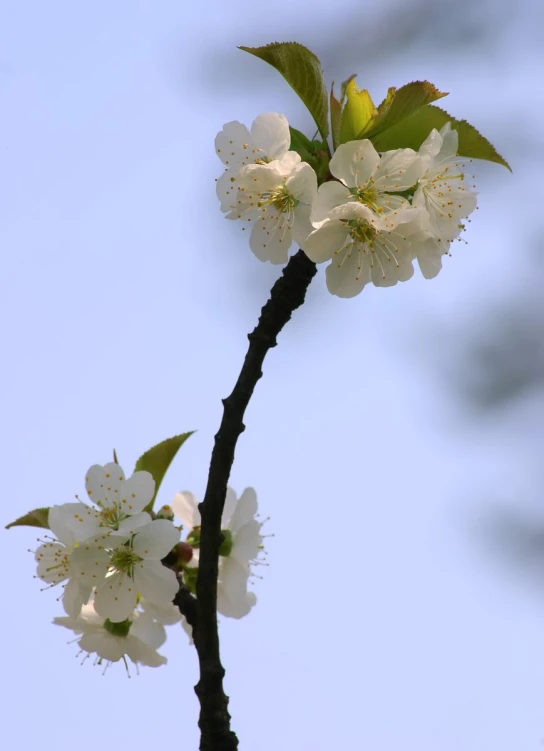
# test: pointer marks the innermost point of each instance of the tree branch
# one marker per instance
(287, 295)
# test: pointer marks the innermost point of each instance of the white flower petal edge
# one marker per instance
(443, 190)
(243, 530)
(269, 139)
(371, 179)
(138, 638)
(136, 568)
(119, 504)
(277, 198)
(185, 507)
(363, 247)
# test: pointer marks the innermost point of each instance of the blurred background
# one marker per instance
(395, 439)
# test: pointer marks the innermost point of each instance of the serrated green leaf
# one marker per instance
(37, 518)
(413, 130)
(336, 115)
(358, 111)
(344, 86)
(400, 104)
(158, 458)
(302, 71)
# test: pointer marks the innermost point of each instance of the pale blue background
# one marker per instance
(125, 300)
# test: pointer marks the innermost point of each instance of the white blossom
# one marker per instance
(135, 568)
(241, 548)
(119, 503)
(363, 247)
(442, 189)
(367, 178)
(276, 198)
(237, 147)
(58, 562)
(137, 638)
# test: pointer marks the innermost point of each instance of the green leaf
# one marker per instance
(37, 518)
(415, 129)
(344, 86)
(400, 104)
(300, 143)
(315, 153)
(336, 115)
(302, 71)
(158, 459)
(357, 113)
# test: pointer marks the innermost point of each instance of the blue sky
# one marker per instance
(126, 300)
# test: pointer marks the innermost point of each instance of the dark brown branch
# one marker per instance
(287, 295)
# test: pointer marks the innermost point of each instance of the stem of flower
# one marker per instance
(286, 296)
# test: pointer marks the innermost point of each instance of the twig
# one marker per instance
(287, 295)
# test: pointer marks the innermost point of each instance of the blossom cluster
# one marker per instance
(241, 550)
(109, 556)
(376, 215)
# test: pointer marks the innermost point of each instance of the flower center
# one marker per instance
(111, 517)
(125, 559)
(369, 196)
(279, 198)
(361, 231)
(118, 629)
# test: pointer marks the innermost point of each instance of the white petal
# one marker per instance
(74, 624)
(247, 542)
(89, 615)
(106, 645)
(271, 236)
(137, 492)
(167, 615)
(329, 195)
(103, 484)
(321, 244)
(234, 145)
(431, 145)
(116, 597)
(356, 210)
(398, 170)
(57, 522)
(450, 142)
(130, 525)
(53, 561)
(271, 133)
(143, 654)
(235, 608)
(354, 162)
(387, 267)
(302, 227)
(156, 539)
(233, 578)
(81, 521)
(89, 564)
(185, 507)
(286, 164)
(226, 188)
(156, 583)
(230, 505)
(302, 183)
(348, 273)
(245, 510)
(149, 631)
(429, 251)
(75, 594)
